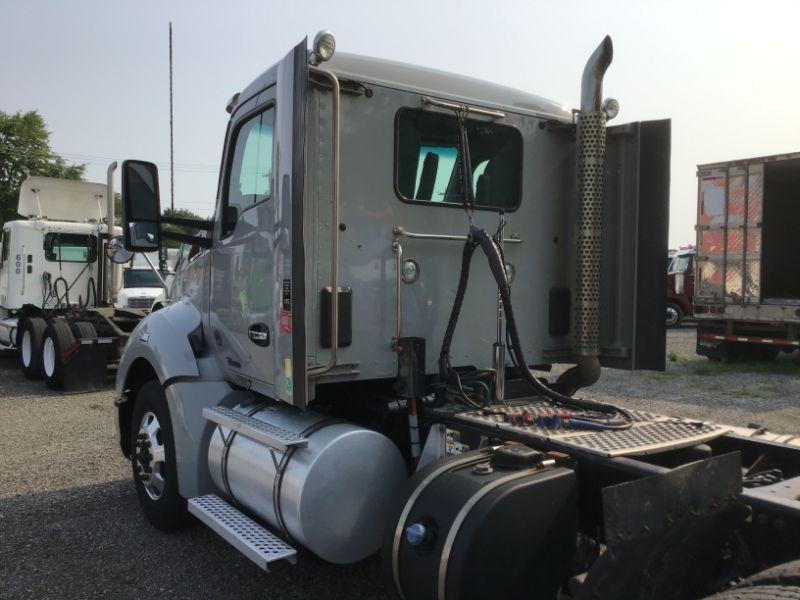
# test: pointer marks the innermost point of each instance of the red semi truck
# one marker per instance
(747, 284)
(680, 286)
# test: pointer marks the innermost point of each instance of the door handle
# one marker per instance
(259, 334)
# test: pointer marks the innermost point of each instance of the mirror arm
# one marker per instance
(202, 224)
(203, 242)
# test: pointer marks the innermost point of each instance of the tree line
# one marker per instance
(25, 150)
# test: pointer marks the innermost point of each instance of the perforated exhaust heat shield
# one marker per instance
(590, 154)
(591, 149)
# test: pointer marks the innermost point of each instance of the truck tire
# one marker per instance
(153, 463)
(674, 315)
(29, 341)
(759, 592)
(787, 574)
(84, 330)
(57, 340)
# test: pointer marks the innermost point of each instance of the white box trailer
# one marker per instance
(57, 286)
(747, 288)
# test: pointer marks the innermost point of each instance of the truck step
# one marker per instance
(275, 437)
(241, 532)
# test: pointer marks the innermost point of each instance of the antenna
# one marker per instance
(171, 137)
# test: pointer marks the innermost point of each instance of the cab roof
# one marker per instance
(442, 84)
(432, 82)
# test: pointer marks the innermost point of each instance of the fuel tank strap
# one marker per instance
(280, 469)
(227, 442)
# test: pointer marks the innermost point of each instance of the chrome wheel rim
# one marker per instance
(49, 356)
(27, 346)
(149, 458)
(672, 316)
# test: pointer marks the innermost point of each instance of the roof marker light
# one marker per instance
(324, 47)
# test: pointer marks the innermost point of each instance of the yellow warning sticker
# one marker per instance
(287, 373)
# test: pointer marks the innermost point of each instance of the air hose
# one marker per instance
(605, 416)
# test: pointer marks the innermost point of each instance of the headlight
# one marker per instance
(324, 46)
(410, 270)
(610, 107)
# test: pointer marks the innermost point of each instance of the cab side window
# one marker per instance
(6, 243)
(5, 247)
(250, 169)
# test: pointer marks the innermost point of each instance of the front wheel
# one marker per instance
(153, 460)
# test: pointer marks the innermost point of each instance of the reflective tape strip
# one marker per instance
(753, 340)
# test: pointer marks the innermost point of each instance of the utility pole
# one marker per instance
(171, 137)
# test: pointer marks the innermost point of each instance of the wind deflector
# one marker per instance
(635, 224)
(290, 379)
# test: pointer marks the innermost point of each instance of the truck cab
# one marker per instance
(358, 359)
(680, 286)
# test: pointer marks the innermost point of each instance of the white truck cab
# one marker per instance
(141, 288)
(52, 256)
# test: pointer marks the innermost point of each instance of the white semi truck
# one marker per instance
(58, 287)
(313, 387)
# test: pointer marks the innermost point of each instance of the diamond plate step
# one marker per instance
(240, 531)
(275, 437)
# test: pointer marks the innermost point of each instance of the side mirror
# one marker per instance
(141, 205)
(116, 252)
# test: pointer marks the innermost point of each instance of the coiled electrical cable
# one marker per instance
(615, 417)
(606, 415)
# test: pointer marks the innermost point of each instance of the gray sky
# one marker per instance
(727, 73)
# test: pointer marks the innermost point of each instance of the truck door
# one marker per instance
(256, 315)
(635, 226)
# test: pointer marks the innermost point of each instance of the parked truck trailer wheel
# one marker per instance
(57, 342)
(153, 460)
(31, 331)
(674, 315)
(84, 330)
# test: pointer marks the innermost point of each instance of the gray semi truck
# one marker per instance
(359, 359)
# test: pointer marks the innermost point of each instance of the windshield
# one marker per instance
(139, 278)
(679, 264)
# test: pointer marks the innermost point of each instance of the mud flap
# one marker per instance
(86, 366)
(664, 532)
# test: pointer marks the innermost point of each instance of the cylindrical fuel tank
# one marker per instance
(331, 496)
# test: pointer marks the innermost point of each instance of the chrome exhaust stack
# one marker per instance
(590, 152)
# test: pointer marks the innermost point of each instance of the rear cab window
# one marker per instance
(70, 247)
(427, 168)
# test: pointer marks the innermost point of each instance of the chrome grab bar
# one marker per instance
(400, 233)
(466, 108)
(319, 370)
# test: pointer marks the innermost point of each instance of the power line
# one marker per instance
(94, 158)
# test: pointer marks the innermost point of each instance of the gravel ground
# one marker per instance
(70, 525)
(694, 387)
